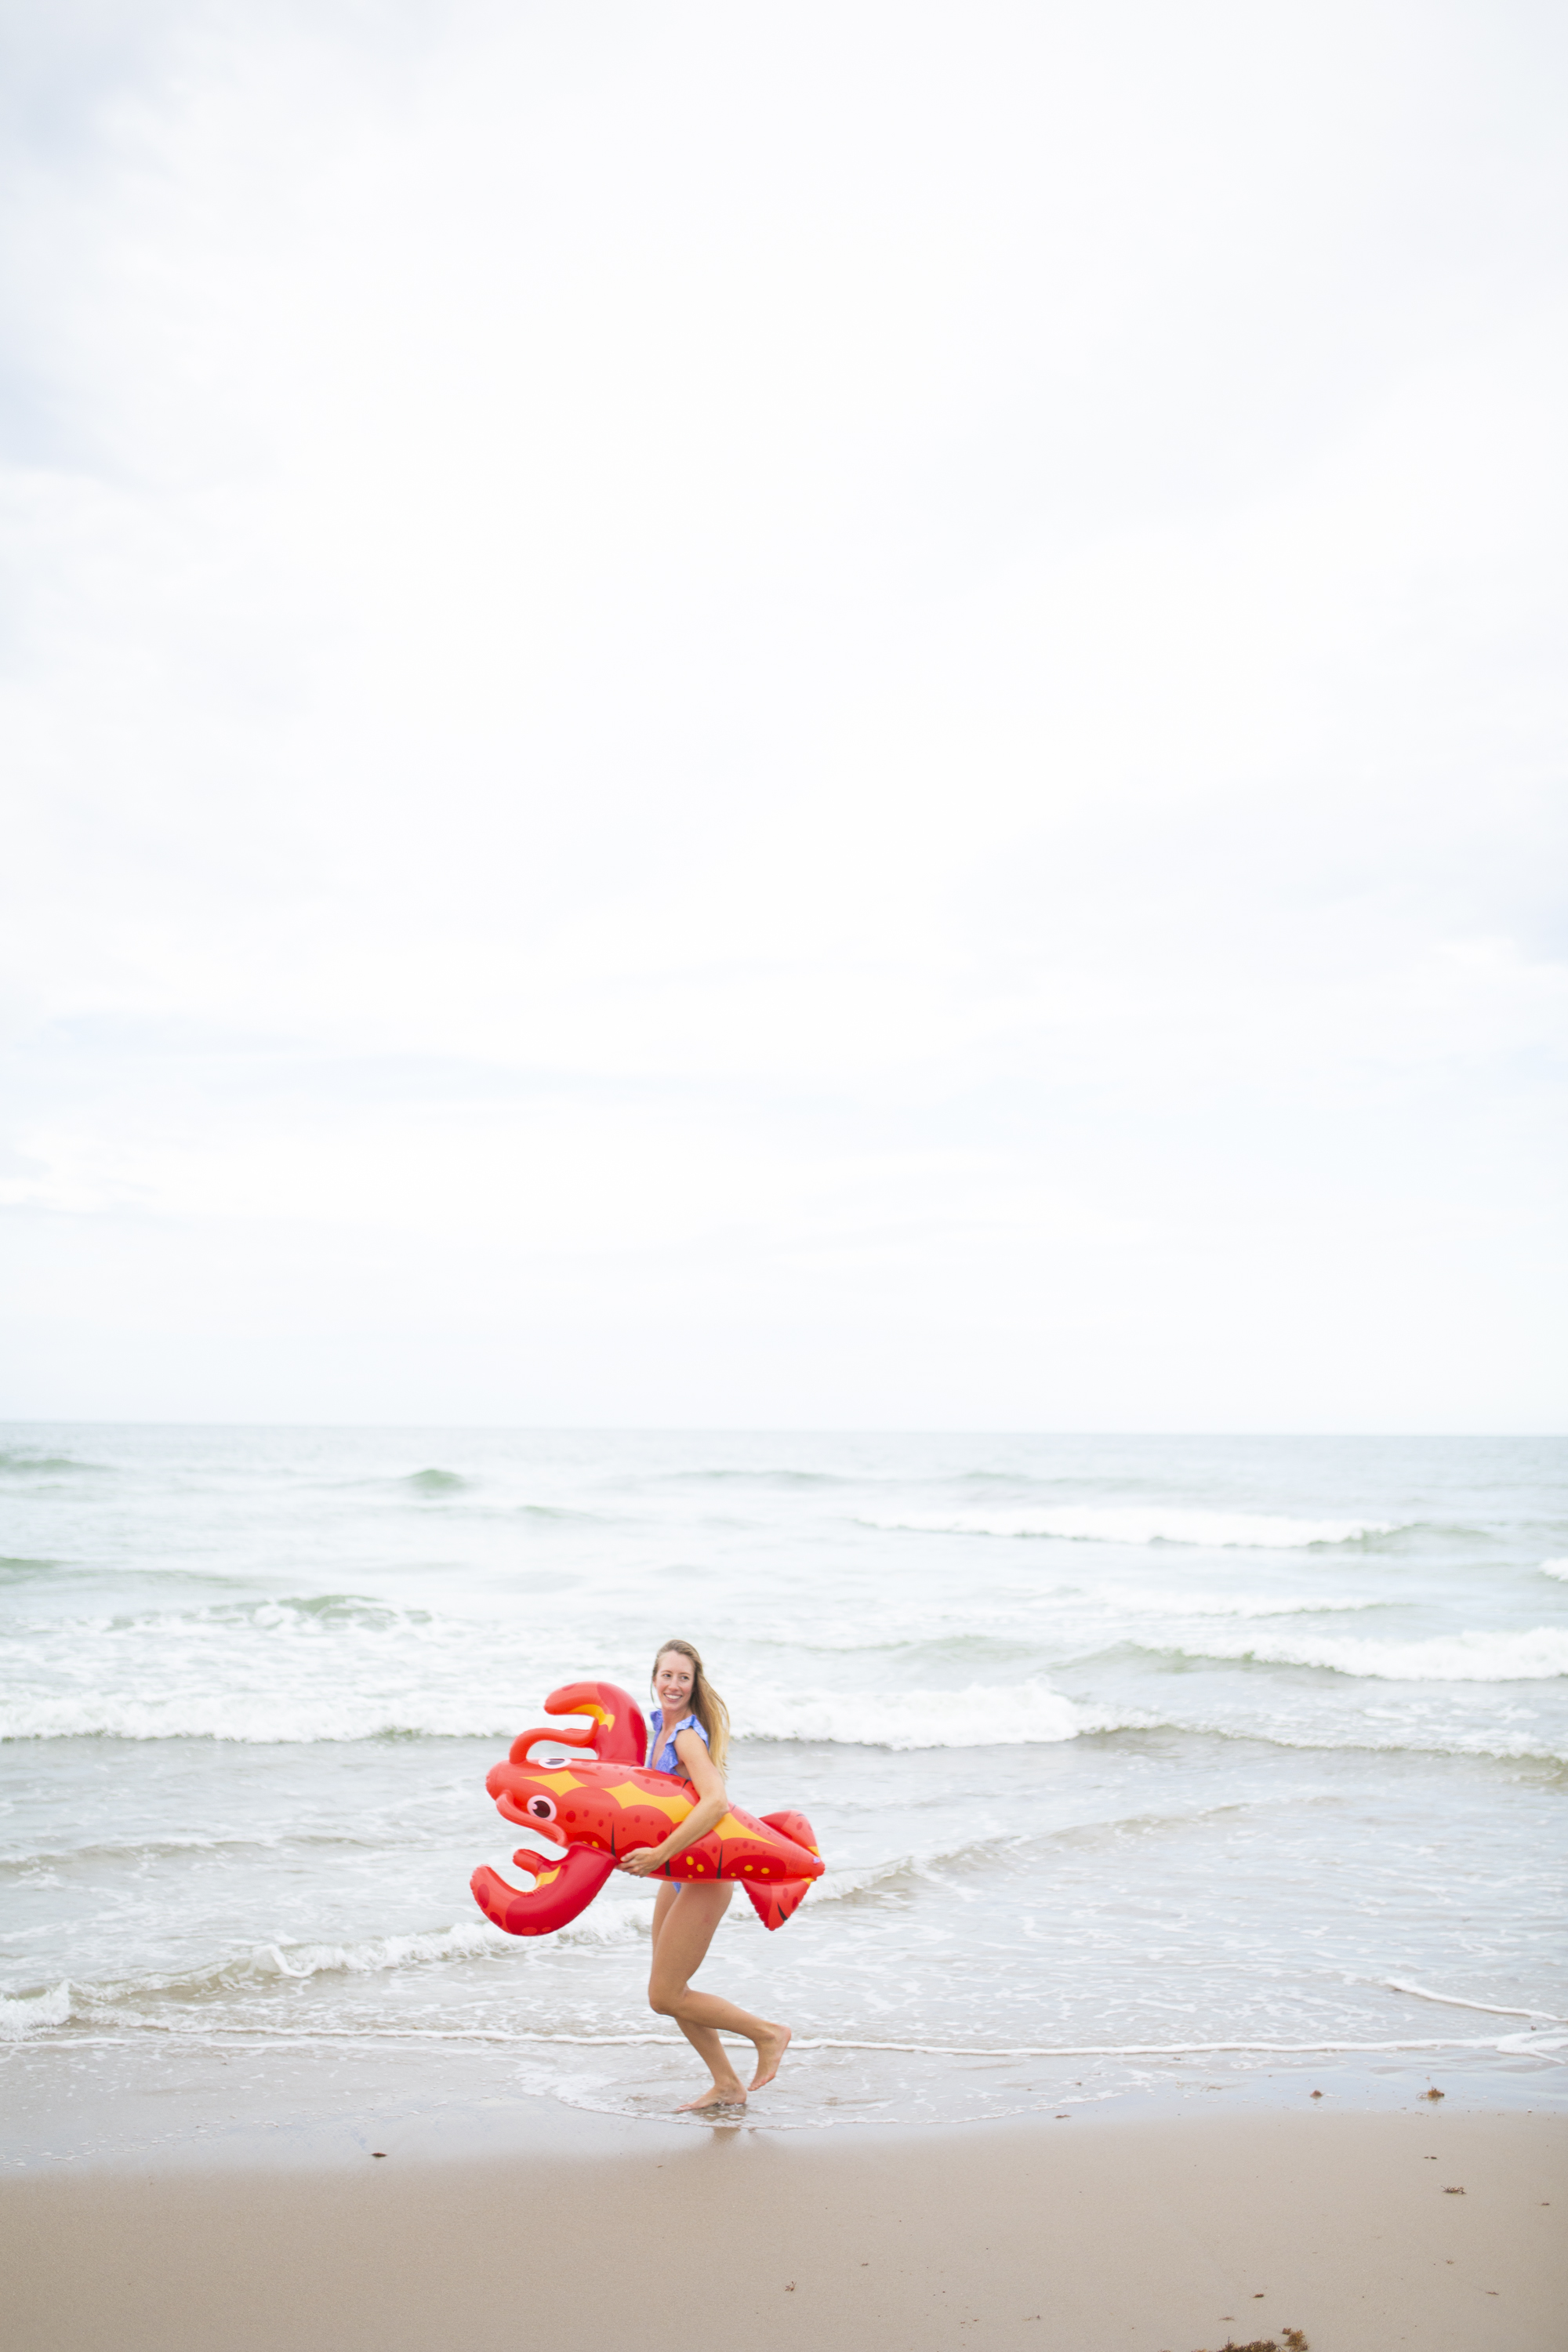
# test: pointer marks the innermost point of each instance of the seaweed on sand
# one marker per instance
(1291, 2340)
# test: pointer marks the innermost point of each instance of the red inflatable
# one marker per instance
(597, 1807)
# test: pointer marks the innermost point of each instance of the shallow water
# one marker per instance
(1124, 1754)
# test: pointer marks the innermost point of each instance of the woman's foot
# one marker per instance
(732, 2094)
(769, 2052)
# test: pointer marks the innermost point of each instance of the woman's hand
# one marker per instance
(710, 1808)
(644, 1862)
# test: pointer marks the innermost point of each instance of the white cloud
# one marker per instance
(854, 717)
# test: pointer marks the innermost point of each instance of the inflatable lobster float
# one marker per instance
(600, 1804)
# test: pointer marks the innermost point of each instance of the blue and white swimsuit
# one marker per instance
(661, 1755)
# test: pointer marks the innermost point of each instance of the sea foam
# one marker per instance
(1214, 1530)
(980, 1715)
(35, 2013)
(1172, 1601)
(1539, 1655)
(254, 1720)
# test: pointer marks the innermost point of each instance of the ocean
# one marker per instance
(1136, 1762)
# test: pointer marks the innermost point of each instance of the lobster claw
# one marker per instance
(560, 1890)
(617, 1734)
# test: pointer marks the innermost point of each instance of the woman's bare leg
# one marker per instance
(698, 1921)
(683, 1929)
(664, 1903)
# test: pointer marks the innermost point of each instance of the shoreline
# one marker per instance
(115, 2100)
(1159, 2232)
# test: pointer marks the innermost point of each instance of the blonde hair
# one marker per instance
(705, 1703)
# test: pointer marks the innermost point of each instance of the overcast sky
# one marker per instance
(845, 715)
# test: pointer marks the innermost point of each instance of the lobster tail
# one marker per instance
(776, 1904)
(796, 1828)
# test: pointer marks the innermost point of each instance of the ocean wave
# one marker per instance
(1539, 1655)
(435, 1482)
(1019, 1715)
(1013, 1714)
(35, 2013)
(1213, 1530)
(845, 1885)
(135, 1852)
(22, 1462)
(267, 1964)
(1457, 2001)
(271, 1965)
(744, 1478)
(977, 1716)
(1558, 1568)
(292, 2036)
(375, 1957)
(307, 1612)
(980, 1715)
(18, 1570)
(1173, 1601)
(1356, 1733)
(304, 1614)
(256, 1721)
(964, 1623)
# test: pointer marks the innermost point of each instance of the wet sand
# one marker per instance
(1164, 2234)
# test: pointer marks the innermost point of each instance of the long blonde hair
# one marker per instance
(705, 1703)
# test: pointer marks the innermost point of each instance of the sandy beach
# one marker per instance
(1359, 2232)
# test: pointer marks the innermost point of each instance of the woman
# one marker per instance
(687, 1735)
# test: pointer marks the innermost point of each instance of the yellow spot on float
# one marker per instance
(626, 1793)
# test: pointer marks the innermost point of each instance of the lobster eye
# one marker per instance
(542, 1809)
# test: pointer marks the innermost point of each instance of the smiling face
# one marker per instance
(673, 1677)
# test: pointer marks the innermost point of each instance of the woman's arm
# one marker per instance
(712, 1804)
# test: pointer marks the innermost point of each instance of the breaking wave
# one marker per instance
(999, 1714)
(742, 1477)
(1539, 1655)
(1528, 2044)
(1019, 1715)
(22, 1462)
(1214, 1530)
(21, 1571)
(255, 1719)
(276, 1964)
(1174, 1602)
(35, 2013)
(1458, 2000)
